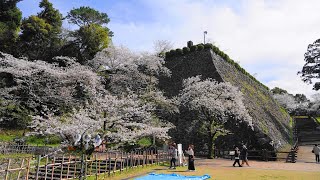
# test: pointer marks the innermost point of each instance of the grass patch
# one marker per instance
(10, 135)
(15, 155)
(300, 116)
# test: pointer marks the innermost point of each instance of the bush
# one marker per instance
(200, 47)
(168, 54)
(186, 50)
(172, 52)
(208, 46)
(179, 51)
(144, 142)
(193, 48)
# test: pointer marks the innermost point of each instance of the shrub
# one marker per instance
(190, 43)
(168, 54)
(144, 142)
(186, 50)
(200, 47)
(172, 52)
(193, 48)
(179, 51)
(208, 46)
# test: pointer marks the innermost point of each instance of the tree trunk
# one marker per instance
(211, 145)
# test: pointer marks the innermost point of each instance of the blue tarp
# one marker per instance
(153, 176)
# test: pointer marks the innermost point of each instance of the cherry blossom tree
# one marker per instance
(162, 46)
(40, 85)
(215, 104)
(126, 119)
(291, 104)
(131, 107)
(130, 71)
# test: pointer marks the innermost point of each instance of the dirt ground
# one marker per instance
(305, 162)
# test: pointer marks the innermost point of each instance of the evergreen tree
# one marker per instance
(92, 35)
(40, 34)
(10, 21)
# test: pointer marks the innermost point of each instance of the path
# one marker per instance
(305, 155)
(270, 165)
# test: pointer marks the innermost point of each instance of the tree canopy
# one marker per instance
(10, 20)
(39, 37)
(311, 69)
(277, 90)
(85, 16)
(92, 35)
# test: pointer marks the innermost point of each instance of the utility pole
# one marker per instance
(204, 37)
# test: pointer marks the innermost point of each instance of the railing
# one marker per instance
(75, 167)
(264, 155)
(292, 156)
(27, 149)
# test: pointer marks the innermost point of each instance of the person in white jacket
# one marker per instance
(174, 155)
(316, 151)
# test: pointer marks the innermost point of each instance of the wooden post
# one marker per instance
(53, 162)
(121, 163)
(127, 161)
(61, 172)
(75, 168)
(143, 158)
(131, 159)
(109, 165)
(106, 167)
(38, 166)
(7, 170)
(147, 159)
(115, 164)
(68, 166)
(46, 168)
(151, 156)
(28, 169)
(138, 161)
(21, 166)
(86, 166)
(134, 159)
(99, 166)
(96, 165)
(90, 171)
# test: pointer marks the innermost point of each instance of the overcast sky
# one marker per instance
(267, 37)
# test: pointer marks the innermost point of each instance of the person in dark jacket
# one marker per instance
(191, 158)
(244, 155)
(236, 157)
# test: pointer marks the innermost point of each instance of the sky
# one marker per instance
(266, 37)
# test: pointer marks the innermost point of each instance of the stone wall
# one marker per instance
(270, 121)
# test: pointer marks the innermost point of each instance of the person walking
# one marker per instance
(316, 151)
(236, 157)
(174, 155)
(190, 151)
(244, 155)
